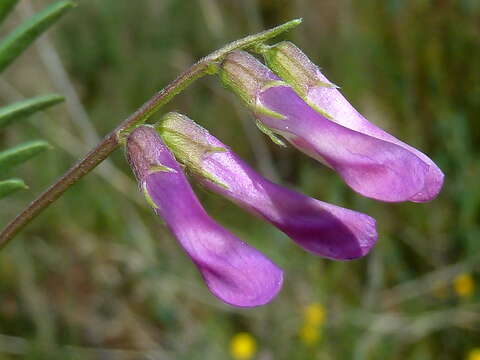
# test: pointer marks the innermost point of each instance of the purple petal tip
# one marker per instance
(235, 272)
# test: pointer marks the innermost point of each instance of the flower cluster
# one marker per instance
(323, 229)
(299, 104)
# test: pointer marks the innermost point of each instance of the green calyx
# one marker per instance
(293, 66)
(151, 170)
(241, 81)
(188, 149)
(247, 79)
(260, 109)
(319, 110)
(270, 133)
(147, 196)
(160, 168)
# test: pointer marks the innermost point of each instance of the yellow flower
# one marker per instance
(474, 354)
(309, 334)
(464, 285)
(314, 314)
(243, 346)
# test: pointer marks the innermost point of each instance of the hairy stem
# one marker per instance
(114, 138)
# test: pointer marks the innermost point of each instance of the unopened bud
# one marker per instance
(293, 66)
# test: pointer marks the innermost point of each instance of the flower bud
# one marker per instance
(294, 67)
(374, 166)
(323, 229)
(233, 271)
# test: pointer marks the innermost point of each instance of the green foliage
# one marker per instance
(11, 47)
(21, 153)
(9, 186)
(17, 41)
(22, 109)
(5, 7)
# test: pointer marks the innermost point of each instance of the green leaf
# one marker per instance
(21, 153)
(27, 107)
(8, 187)
(5, 7)
(17, 41)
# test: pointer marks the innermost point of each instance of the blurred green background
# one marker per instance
(97, 276)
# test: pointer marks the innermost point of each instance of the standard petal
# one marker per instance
(323, 229)
(292, 65)
(325, 126)
(233, 271)
(372, 167)
(343, 113)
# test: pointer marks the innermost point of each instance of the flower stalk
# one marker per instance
(207, 65)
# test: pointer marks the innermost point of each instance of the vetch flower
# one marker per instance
(293, 66)
(323, 229)
(233, 271)
(370, 161)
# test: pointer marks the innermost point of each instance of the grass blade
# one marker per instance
(5, 7)
(21, 153)
(8, 187)
(17, 41)
(27, 107)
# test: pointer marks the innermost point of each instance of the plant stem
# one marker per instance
(114, 138)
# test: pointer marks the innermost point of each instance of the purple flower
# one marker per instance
(323, 229)
(233, 271)
(327, 128)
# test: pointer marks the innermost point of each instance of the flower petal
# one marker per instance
(292, 65)
(335, 104)
(323, 229)
(373, 165)
(233, 271)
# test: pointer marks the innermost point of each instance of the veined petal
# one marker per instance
(292, 65)
(373, 166)
(233, 271)
(342, 112)
(323, 229)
